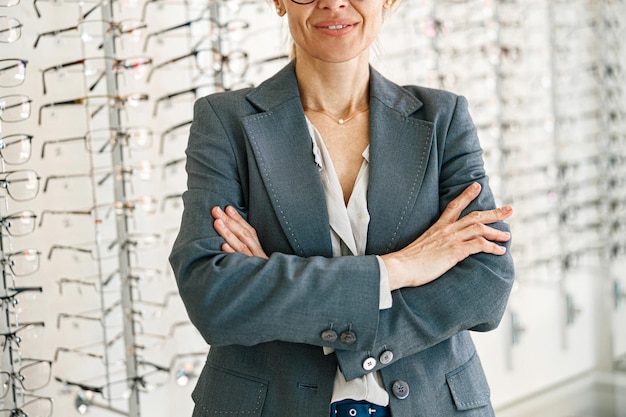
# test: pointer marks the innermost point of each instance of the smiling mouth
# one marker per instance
(337, 27)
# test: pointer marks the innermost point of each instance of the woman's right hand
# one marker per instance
(447, 242)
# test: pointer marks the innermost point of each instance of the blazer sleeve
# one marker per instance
(236, 299)
(470, 296)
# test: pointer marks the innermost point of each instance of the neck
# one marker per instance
(336, 88)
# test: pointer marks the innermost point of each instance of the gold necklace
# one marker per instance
(340, 120)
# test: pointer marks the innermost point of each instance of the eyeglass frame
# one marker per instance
(112, 25)
(116, 61)
(118, 100)
(25, 100)
(194, 53)
(119, 133)
(23, 63)
(4, 145)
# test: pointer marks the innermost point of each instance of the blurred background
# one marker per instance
(95, 106)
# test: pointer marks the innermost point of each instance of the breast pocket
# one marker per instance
(468, 385)
(222, 392)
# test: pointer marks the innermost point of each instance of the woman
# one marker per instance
(328, 158)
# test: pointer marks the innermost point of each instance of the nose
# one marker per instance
(332, 4)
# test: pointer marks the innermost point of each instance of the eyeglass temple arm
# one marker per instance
(49, 142)
(58, 103)
(58, 177)
(168, 62)
(54, 33)
(169, 29)
(170, 130)
(79, 385)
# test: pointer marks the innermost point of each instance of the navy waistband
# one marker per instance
(350, 408)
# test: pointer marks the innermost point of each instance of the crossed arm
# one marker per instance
(446, 243)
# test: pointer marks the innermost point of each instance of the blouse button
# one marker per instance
(369, 363)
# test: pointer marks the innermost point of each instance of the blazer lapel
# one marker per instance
(399, 149)
(280, 141)
(281, 144)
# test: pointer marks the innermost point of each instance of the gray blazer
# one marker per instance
(267, 320)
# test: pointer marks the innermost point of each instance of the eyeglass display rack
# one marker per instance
(543, 79)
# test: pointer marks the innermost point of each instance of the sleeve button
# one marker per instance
(386, 357)
(347, 337)
(329, 336)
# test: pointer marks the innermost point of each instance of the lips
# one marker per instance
(336, 27)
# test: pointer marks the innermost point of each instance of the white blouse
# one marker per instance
(348, 224)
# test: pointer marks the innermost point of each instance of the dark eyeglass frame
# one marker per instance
(193, 91)
(18, 25)
(220, 26)
(116, 100)
(13, 336)
(25, 100)
(17, 62)
(112, 26)
(137, 382)
(224, 60)
(118, 66)
(170, 130)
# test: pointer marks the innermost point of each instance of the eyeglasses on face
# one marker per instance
(97, 66)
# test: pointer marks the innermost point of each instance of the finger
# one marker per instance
(232, 240)
(486, 216)
(478, 230)
(227, 248)
(461, 202)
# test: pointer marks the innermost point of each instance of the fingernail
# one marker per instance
(475, 186)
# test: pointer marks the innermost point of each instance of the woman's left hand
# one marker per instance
(237, 232)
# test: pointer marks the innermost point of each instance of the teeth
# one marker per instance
(337, 27)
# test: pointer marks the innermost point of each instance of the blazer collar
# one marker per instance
(283, 87)
(278, 135)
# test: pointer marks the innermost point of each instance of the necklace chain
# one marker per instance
(340, 120)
